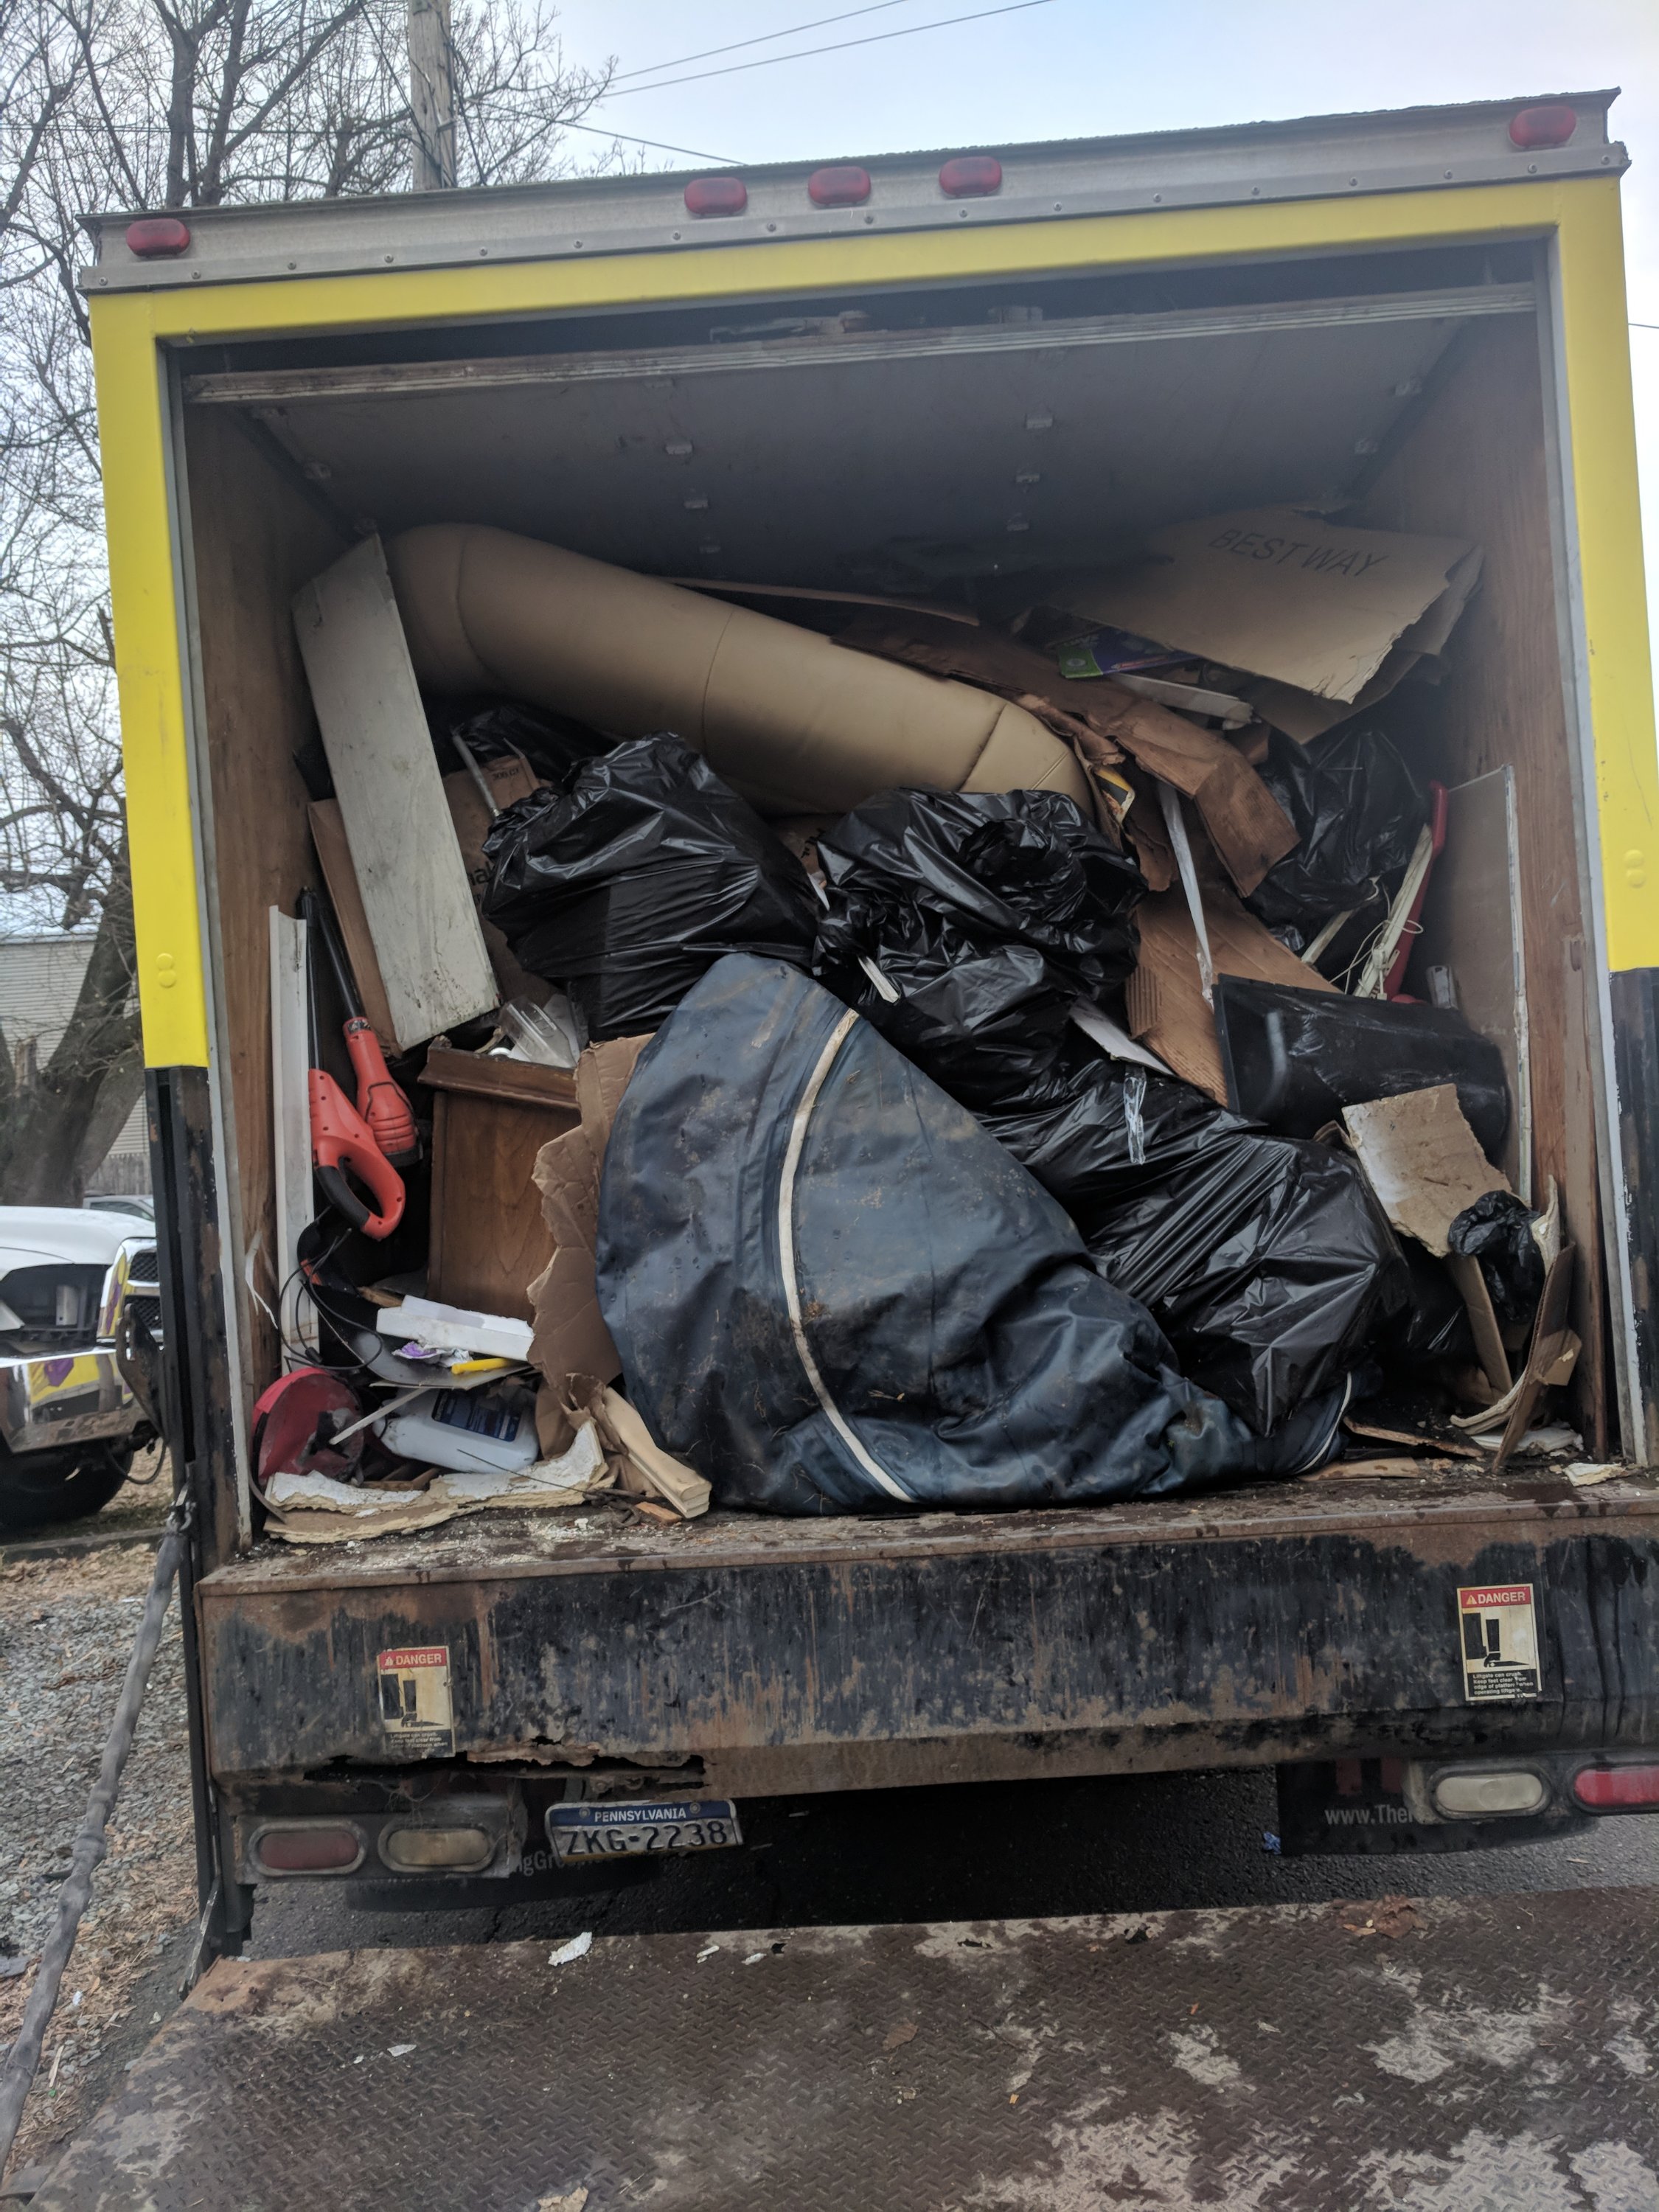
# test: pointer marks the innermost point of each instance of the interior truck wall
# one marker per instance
(1475, 465)
(256, 539)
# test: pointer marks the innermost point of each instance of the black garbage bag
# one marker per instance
(988, 913)
(1434, 1322)
(628, 885)
(1357, 811)
(1267, 1262)
(833, 1291)
(1496, 1232)
(1294, 1059)
(554, 744)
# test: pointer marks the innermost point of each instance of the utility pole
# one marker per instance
(431, 95)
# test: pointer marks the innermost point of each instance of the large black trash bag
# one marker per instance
(1357, 811)
(1267, 1262)
(628, 885)
(1496, 1232)
(492, 729)
(833, 1291)
(988, 913)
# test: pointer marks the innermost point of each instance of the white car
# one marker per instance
(69, 1424)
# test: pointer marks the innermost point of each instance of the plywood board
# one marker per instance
(1472, 924)
(417, 900)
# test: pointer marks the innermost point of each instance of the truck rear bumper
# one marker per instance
(70, 1398)
(749, 1657)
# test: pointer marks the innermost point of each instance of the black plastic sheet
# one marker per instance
(832, 1291)
(988, 913)
(1358, 811)
(1267, 1262)
(625, 887)
(1495, 1232)
(493, 729)
(1294, 1059)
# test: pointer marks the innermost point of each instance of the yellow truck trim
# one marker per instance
(128, 330)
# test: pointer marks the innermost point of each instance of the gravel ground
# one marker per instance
(66, 1631)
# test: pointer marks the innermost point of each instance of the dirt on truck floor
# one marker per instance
(66, 1632)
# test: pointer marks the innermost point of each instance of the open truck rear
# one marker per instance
(790, 379)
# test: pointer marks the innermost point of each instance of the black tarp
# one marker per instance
(833, 1290)
(624, 886)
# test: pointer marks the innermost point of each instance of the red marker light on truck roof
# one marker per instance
(716, 195)
(844, 186)
(1551, 123)
(970, 177)
(1617, 1788)
(157, 237)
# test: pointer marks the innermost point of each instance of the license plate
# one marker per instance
(608, 1831)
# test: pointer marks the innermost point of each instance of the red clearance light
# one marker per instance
(843, 186)
(309, 1850)
(157, 237)
(970, 177)
(1617, 1788)
(1552, 124)
(716, 195)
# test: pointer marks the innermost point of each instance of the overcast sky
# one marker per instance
(1087, 68)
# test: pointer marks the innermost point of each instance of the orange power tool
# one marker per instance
(344, 1138)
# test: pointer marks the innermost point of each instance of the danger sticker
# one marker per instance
(414, 1705)
(1499, 1628)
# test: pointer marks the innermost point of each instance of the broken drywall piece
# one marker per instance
(455, 1328)
(1422, 1161)
(1309, 603)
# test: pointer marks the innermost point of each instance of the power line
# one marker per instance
(727, 160)
(765, 39)
(876, 38)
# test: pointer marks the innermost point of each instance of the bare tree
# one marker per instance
(151, 103)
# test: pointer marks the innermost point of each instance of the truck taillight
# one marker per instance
(1617, 1788)
(970, 177)
(1550, 124)
(413, 1849)
(843, 186)
(308, 1847)
(157, 237)
(716, 195)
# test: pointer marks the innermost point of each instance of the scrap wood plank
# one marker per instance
(417, 900)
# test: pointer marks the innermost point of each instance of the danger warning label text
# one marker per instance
(1498, 1628)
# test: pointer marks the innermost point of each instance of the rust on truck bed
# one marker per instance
(784, 1655)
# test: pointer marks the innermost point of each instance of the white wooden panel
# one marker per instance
(291, 1110)
(415, 896)
(1472, 924)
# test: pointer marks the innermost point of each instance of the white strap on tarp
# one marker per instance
(798, 1129)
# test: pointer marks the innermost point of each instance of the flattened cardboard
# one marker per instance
(1247, 825)
(1165, 997)
(1311, 603)
(1423, 1160)
(570, 1336)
